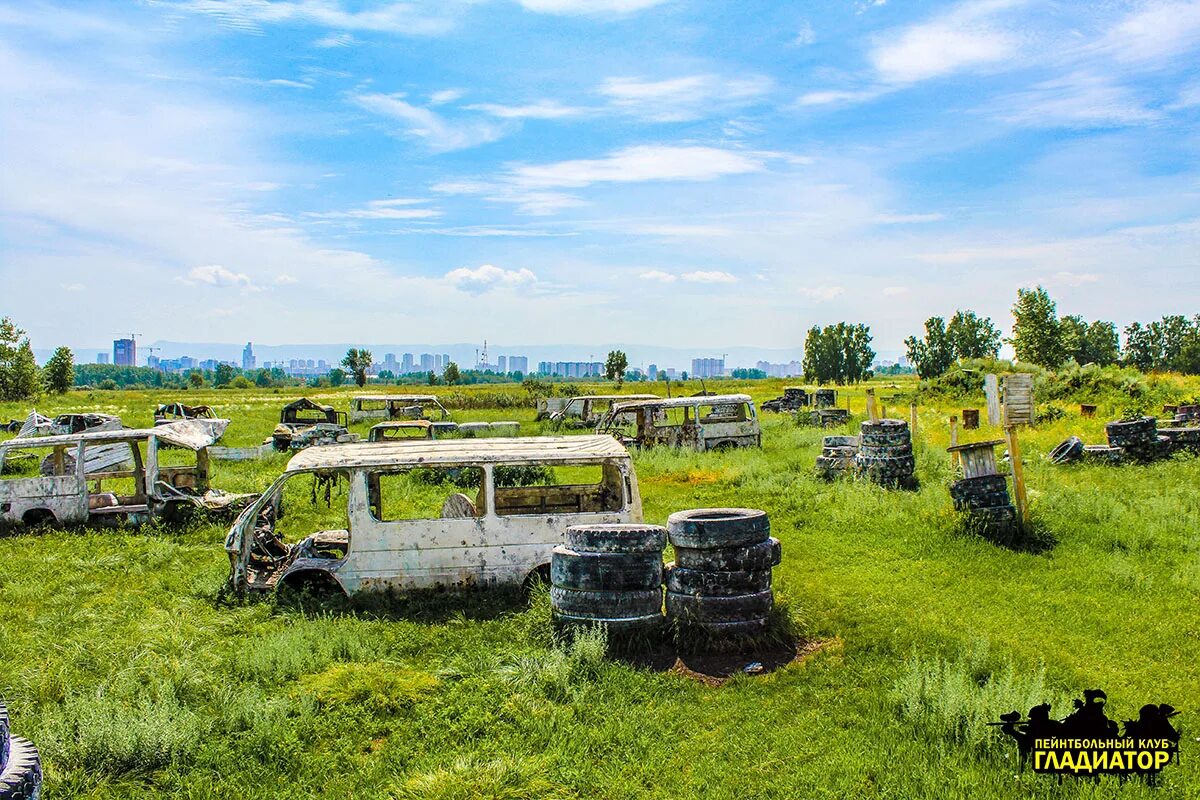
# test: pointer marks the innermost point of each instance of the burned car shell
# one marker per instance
(487, 548)
(730, 421)
(582, 410)
(395, 406)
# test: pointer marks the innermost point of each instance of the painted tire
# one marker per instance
(735, 608)
(839, 452)
(1127, 433)
(711, 528)
(605, 605)
(1070, 450)
(995, 514)
(981, 484)
(621, 626)
(762, 555)
(977, 502)
(840, 441)
(616, 538)
(888, 451)
(708, 583)
(885, 467)
(570, 569)
(21, 778)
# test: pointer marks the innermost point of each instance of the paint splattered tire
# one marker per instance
(890, 451)
(4, 736)
(621, 626)
(762, 555)
(1132, 432)
(726, 630)
(839, 452)
(1104, 454)
(712, 528)
(840, 464)
(617, 538)
(571, 569)
(21, 778)
(688, 609)
(605, 605)
(981, 484)
(839, 441)
(884, 467)
(1069, 450)
(712, 583)
(985, 500)
(995, 514)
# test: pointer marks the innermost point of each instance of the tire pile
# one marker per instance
(824, 398)
(719, 586)
(885, 454)
(985, 498)
(609, 575)
(20, 764)
(837, 456)
(1138, 437)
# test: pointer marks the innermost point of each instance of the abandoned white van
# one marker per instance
(704, 422)
(424, 513)
(395, 406)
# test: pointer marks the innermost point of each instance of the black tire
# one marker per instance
(827, 464)
(885, 467)
(888, 451)
(708, 583)
(711, 528)
(605, 605)
(4, 735)
(840, 441)
(648, 625)
(885, 440)
(1132, 432)
(616, 538)
(1104, 454)
(21, 778)
(995, 514)
(986, 500)
(839, 452)
(763, 555)
(884, 426)
(723, 630)
(689, 609)
(1070, 450)
(980, 485)
(570, 569)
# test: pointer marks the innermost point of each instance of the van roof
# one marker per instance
(613, 397)
(454, 451)
(678, 402)
(405, 397)
(408, 423)
(191, 434)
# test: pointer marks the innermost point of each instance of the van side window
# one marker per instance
(724, 412)
(426, 493)
(530, 490)
(674, 417)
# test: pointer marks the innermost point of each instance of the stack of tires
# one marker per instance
(1137, 437)
(824, 398)
(20, 765)
(885, 454)
(719, 586)
(609, 575)
(985, 498)
(837, 456)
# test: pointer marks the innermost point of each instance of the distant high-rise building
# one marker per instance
(406, 364)
(445, 359)
(125, 352)
(518, 364)
(390, 363)
(248, 359)
(501, 364)
(153, 362)
(101, 358)
(652, 372)
(707, 368)
(428, 362)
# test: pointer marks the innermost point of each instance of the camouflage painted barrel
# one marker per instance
(885, 454)
(719, 585)
(610, 576)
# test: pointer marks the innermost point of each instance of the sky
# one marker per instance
(690, 173)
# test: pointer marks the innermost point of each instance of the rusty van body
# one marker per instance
(706, 422)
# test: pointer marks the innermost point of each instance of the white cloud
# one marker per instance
(488, 277)
(283, 279)
(589, 7)
(443, 96)
(657, 275)
(710, 276)
(288, 83)
(824, 293)
(906, 219)
(73, 287)
(1078, 100)
(641, 163)
(543, 109)
(683, 98)
(217, 275)
(831, 96)
(805, 36)
(963, 38)
(435, 131)
(335, 40)
(392, 208)
(396, 18)
(1072, 279)
(677, 230)
(1156, 31)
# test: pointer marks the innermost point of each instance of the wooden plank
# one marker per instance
(872, 413)
(991, 389)
(1018, 472)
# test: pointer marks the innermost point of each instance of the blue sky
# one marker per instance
(679, 172)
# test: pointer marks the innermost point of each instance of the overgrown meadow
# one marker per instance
(122, 657)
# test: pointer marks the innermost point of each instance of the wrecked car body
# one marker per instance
(421, 514)
(167, 413)
(711, 422)
(152, 483)
(586, 411)
(411, 429)
(365, 407)
(99, 458)
(304, 423)
(794, 398)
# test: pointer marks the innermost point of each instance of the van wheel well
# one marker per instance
(311, 581)
(38, 516)
(538, 576)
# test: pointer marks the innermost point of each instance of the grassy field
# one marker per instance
(123, 660)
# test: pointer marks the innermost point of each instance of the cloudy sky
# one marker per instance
(686, 172)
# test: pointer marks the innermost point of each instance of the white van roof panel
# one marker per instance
(454, 451)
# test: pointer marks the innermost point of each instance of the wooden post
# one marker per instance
(872, 414)
(991, 389)
(882, 411)
(912, 420)
(1018, 472)
(954, 435)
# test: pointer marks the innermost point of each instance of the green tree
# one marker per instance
(337, 377)
(973, 336)
(838, 353)
(614, 366)
(1090, 343)
(59, 373)
(934, 354)
(358, 361)
(222, 375)
(196, 379)
(1142, 350)
(19, 378)
(262, 378)
(451, 375)
(1037, 336)
(431, 378)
